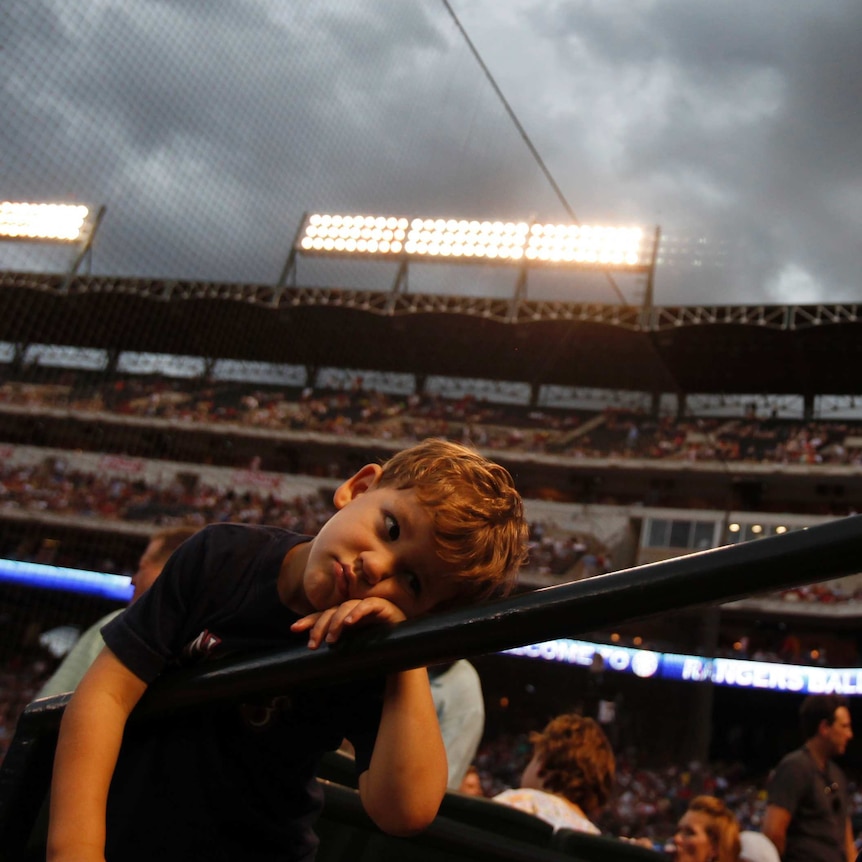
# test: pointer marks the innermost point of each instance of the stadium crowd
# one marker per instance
(648, 801)
(572, 433)
(54, 487)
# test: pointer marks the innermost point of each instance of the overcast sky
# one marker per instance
(208, 128)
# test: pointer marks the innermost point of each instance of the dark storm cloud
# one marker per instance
(739, 128)
(207, 129)
(207, 134)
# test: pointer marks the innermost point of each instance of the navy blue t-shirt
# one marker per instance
(225, 782)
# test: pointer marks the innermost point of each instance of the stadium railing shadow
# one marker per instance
(806, 556)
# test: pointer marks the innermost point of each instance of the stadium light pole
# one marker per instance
(649, 292)
(288, 271)
(523, 245)
(64, 224)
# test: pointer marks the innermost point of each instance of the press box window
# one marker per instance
(691, 535)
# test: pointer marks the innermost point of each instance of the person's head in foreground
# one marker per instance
(707, 832)
(435, 526)
(572, 758)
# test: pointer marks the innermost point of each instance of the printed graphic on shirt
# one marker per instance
(202, 645)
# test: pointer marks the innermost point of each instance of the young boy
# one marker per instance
(436, 525)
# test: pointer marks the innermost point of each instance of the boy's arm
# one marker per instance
(405, 782)
(87, 749)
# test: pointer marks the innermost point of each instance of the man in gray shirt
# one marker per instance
(808, 814)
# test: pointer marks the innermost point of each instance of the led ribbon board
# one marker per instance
(108, 586)
(737, 673)
(464, 241)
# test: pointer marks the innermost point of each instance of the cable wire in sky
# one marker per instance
(523, 133)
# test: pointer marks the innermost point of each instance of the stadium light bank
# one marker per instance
(72, 224)
(523, 244)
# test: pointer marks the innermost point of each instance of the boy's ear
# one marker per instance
(357, 484)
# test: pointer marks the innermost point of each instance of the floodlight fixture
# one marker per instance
(41, 222)
(451, 240)
(64, 224)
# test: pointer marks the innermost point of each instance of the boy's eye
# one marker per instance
(393, 531)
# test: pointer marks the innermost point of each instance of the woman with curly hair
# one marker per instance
(570, 777)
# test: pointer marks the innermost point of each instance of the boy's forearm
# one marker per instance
(87, 749)
(406, 780)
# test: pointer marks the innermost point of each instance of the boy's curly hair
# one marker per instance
(577, 761)
(478, 515)
(721, 827)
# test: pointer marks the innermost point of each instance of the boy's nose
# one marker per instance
(375, 568)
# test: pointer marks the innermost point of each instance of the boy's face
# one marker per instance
(379, 543)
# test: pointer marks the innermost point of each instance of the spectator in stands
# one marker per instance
(457, 692)
(570, 777)
(471, 783)
(707, 832)
(436, 525)
(808, 815)
(89, 645)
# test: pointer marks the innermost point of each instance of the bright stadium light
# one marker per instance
(64, 224)
(462, 241)
(21, 222)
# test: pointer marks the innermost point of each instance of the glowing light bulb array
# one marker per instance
(51, 222)
(460, 239)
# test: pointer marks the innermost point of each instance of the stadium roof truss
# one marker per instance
(799, 349)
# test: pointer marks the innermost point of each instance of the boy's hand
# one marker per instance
(327, 626)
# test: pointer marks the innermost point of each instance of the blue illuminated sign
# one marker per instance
(108, 586)
(738, 673)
